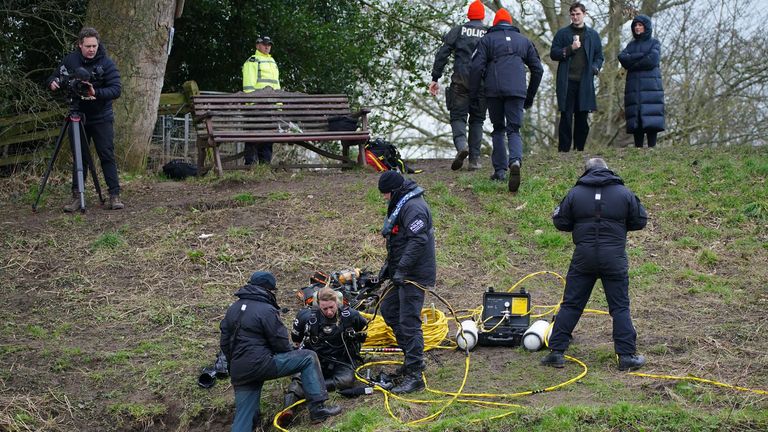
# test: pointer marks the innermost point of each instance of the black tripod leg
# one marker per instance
(89, 161)
(78, 152)
(47, 174)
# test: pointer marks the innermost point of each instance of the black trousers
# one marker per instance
(261, 153)
(640, 132)
(573, 123)
(401, 310)
(578, 288)
(103, 137)
(337, 375)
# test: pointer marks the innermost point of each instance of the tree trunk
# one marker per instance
(610, 97)
(136, 34)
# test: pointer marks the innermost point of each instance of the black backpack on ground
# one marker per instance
(178, 169)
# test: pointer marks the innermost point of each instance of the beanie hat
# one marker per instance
(502, 15)
(263, 279)
(390, 181)
(476, 10)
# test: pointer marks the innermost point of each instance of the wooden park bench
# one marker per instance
(279, 117)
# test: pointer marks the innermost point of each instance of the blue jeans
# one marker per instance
(506, 114)
(288, 363)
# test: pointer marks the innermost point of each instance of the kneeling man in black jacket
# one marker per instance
(255, 342)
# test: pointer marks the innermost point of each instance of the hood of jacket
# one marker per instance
(646, 21)
(599, 177)
(503, 26)
(257, 293)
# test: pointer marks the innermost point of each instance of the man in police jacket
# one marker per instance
(599, 211)
(259, 72)
(461, 41)
(411, 267)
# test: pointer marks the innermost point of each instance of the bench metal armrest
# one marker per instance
(362, 112)
(202, 117)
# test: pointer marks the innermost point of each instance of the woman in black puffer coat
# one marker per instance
(644, 93)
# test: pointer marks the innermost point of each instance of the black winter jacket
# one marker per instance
(500, 59)
(105, 79)
(644, 92)
(599, 211)
(326, 336)
(461, 41)
(411, 244)
(261, 334)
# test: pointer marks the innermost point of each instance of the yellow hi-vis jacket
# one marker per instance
(259, 71)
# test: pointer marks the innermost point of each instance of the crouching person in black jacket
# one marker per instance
(257, 347)
(599, 211)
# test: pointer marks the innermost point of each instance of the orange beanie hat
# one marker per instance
(476, 10)
(502, 15)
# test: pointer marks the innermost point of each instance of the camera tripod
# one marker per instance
(74, 124)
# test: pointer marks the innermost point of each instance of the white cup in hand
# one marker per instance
(576, 44)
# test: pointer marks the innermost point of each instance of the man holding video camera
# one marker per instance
(98, 83)
(334, 331)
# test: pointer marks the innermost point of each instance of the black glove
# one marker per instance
(384, 272)
(595, 71)
(398, 279)
(528, 103)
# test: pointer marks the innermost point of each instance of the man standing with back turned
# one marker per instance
(599, 211)
(579, 52)
(461, 41)
(499, 64)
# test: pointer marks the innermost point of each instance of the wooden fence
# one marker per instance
(30, 137)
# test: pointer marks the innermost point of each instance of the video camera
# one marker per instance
(76, 86)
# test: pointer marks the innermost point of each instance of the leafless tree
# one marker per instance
(712, 69)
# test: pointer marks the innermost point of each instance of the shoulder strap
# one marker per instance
(598, 203)
(238, 322)
(314, 329)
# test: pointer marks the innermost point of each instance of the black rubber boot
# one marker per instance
(286, 418)
(630, 362)
(330, 385)
(412, 382)
(554, 359)
(458, 161)
(514, 176)
(319, 412)
(500, 175)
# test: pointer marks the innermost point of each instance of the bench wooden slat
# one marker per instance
(228, 136)
(258, 117)
(270, 106)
